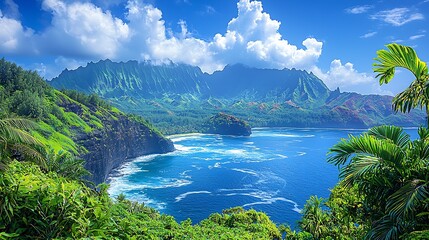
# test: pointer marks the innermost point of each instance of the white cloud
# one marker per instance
(82, 30)
(11, 9)
(359, 9)
(348, 79)
(416, 36)
(397, 16)
(368, 35)
(210, 10)
(253, 38)
(14, 38)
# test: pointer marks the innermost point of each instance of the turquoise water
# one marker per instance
(273, 170)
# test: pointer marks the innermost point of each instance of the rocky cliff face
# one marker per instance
(120, 139)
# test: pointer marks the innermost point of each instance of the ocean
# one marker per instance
(275, 170)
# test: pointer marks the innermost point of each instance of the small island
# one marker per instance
(225, 124)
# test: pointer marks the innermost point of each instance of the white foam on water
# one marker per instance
(142, 198)
(299, 154)
(196, 167)
(184, 195)
(247, 171)
(183, 137)
(185, 174)
(267, 134)
(234, 189)
(281, 156)
(270, 201)
(236, 152)
(248, 143)
(146, 158)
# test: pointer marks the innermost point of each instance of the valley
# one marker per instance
(179, 98)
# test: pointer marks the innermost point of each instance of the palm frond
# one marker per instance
(385, 228)
(414, 96)
(31, 154)
(20, 123)
(393, 133)
(365, 144)
(398, 56)
(407, 199)
(15, 130)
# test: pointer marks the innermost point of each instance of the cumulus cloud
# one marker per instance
(397, 16)
(11, 9)
(348, 79)
(14, 38)
(253, 38)
(82, 32)
(359, 9)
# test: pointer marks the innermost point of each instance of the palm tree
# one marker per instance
(65, 164)
(398, 56)
(15, 141)
(315, 218)
(391, 172)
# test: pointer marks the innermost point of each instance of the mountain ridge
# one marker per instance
(177, 97)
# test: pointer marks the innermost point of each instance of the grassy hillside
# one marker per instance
(77, 123)
(45, 197)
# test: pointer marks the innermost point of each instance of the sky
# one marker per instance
(337, 40)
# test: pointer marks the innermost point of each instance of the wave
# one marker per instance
(187, 136)
(265, 198)
(247, 171)
(184, 195)
(299, 154)
(185, 174)
(273, 200)
(120, 185)
(267, 134)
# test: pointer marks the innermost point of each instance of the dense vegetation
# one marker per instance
(43, 190)
(225, 124)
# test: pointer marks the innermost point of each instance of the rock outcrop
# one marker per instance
(225, 124)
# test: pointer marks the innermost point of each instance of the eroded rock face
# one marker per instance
(225, 124)
(121, 139)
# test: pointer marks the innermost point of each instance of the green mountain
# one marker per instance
(109, 79)
(83, 125)
(268, 85)
(180, 98)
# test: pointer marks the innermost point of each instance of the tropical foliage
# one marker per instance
(16, 142)
(398, 56)
(44, 193)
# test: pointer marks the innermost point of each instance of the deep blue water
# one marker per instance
(273, 170)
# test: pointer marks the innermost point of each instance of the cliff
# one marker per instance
(225, 124)
(119, 139)
(78, 123)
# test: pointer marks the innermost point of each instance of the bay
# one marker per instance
(273, 170)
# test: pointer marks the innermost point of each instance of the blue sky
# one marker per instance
(336, 40)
